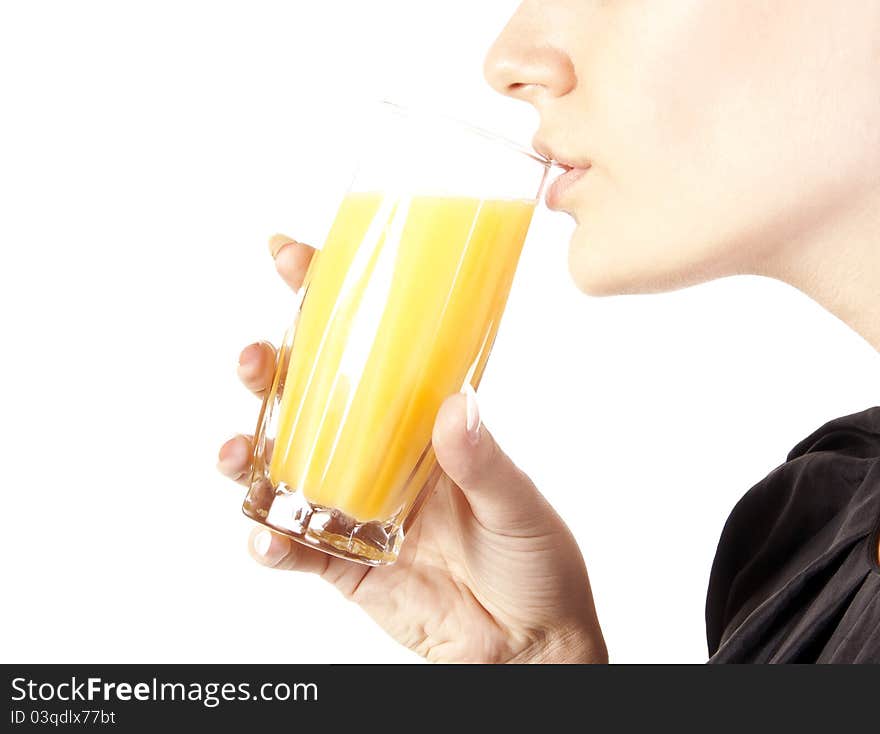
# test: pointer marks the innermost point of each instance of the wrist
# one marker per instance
(572, 645)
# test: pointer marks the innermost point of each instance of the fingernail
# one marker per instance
(249, 354)
(249, 359)
(277, 242)
(231, 458)
(270, 548)
(262, 542)
(473, 415)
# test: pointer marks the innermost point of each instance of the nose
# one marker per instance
(522, 65)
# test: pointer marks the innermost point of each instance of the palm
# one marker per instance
(460, 591)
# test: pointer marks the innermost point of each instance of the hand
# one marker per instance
(488, 572)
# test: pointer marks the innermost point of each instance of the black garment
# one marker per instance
(796, 577)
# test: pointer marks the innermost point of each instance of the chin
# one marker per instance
(603, 268)
(596, 273)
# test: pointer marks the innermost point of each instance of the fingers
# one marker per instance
(256, 367)
(277, 551)
(256, 363)
(234, 459)
(501, 496)
(292, 259)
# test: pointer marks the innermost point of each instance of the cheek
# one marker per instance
(646, 219)
(633, 249)
(715, 146)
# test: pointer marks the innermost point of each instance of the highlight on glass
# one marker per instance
(398, 310)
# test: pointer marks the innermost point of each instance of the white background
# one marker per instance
(147, 151)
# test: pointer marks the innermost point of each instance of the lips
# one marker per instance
(555, 196)
(573, 170)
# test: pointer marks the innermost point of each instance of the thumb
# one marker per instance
(501, 496)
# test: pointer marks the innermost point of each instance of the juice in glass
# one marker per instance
(357, 413)
(400, 308)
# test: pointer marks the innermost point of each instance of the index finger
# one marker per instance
(292, 259)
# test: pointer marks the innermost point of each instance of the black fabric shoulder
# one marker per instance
(798, 540)
(856, 435)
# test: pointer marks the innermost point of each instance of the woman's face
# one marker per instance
(722, 136)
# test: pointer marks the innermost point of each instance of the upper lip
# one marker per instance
(544, 149)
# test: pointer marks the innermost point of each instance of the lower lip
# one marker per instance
(562, 183)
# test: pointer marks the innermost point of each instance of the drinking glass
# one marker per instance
(398, 310)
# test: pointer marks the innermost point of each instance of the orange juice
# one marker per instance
(402, 307)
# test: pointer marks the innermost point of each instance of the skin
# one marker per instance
(488, 573)
(721, 137)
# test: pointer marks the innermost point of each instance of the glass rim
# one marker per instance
(468, 127)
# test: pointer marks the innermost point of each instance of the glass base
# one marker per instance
(325, 528)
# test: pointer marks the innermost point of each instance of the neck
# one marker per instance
(839, 268)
